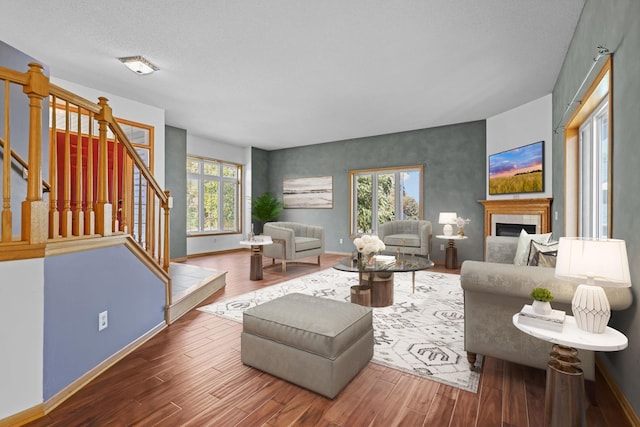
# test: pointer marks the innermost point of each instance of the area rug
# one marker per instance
(422, 333)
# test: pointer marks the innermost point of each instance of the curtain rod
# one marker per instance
(602, 51)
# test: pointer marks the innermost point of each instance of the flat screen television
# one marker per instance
(519, 170)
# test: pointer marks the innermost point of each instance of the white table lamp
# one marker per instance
(594, 263)
(447, 218)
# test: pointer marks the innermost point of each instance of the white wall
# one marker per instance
(520, 126)
(22, 332)
(130, 110)
(198, 146)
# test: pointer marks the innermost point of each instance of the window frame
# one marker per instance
(201, 177)
(375, 172)
(599, 92)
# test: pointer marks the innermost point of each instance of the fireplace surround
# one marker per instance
(530, 212)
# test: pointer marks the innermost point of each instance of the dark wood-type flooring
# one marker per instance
(191, 374)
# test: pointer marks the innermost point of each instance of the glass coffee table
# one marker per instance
(376, 281)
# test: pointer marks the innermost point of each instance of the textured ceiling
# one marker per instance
(276, 74)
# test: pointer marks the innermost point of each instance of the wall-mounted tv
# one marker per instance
(519, 170)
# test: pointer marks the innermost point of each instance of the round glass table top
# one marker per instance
(398, 265)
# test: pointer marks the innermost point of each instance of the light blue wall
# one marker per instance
(454, 178)
(78, 286)
(616, 25)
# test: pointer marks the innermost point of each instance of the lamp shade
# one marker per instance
(447, 218)
(600, 262)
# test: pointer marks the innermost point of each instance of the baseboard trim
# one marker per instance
(627, 409)
(23, 417)
(225, 251)
(79, 383)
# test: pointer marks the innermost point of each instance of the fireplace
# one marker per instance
(533, 214)
(513, 230)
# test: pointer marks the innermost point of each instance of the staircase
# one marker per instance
(191, 285)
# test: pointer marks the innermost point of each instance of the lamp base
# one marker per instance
(591, 308)
(447, 230)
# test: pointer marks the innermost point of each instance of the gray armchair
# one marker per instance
(411, 236)
(293, 241)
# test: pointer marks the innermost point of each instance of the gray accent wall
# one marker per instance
(80, 285)
(453, 157)
(175, 149)
(615, 25)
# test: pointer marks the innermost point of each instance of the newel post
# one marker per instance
(103, 209)
(35, 211)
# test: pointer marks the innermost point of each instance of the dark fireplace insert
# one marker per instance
(504, 229)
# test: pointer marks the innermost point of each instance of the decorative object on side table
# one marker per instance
(541, 300)
(594, 263)
(447, 218)
(461, 222)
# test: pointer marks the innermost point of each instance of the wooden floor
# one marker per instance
(191, 374)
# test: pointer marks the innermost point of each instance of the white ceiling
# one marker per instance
(281, 73)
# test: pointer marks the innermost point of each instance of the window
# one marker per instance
(382, 195)
(594, 173)
(213, 196)
(588, 162)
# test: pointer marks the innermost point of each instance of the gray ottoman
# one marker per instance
(316, 343)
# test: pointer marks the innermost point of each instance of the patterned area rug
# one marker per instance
(422, 333)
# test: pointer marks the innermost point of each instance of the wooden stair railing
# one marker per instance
(98, 184)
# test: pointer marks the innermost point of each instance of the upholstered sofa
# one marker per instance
(293, 241)
(410, 236)
(494, 290)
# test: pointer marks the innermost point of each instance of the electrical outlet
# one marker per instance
(25, 173)
(340, 241)
(103, 320)
(442, 247)
(555, 215)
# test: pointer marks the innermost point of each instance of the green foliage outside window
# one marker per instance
(213, 190)
(391, 186)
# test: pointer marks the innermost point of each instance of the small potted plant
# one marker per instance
(541, 300)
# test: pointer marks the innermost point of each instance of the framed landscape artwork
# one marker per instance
(308, 193)
(519, 170)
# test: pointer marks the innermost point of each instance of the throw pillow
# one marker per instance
(524, 243)
(543, 254)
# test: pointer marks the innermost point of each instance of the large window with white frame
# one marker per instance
(382, 195)
(213, 196)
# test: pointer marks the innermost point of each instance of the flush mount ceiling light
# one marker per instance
(138, 65)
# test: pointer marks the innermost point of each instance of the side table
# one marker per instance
(451, 255)
(257, 243)
(564, 393)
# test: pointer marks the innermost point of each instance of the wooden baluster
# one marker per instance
(165, 246)
(65, 228)
(160, 230)
(78, 213)
(115, 199)
(34, 209)
(54, 215)
(102, 207)
(140, 241)
(7, 221)
(126, 190)
(149, 219)
(89, 218)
